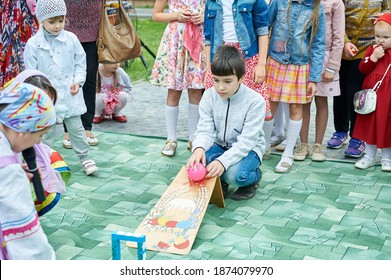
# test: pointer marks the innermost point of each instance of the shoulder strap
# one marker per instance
(7, 160)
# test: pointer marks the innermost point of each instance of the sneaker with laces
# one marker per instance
(169, 148)
(89, 167)
(276, 139)
(337, 140)
(365, 162)
(318, 153)
(302, 151)
(386, 165)
(281, 147)
(356, 148)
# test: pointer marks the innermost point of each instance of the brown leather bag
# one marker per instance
(119, 41)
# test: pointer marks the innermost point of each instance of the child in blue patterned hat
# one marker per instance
(26, 114)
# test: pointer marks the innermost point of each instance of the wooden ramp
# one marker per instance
(172, 224)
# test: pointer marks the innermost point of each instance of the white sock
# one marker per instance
(292, 133)
(370, 151)
(268, 129)
(279, 120)
(171, 121)
(386, 154)
(192, 119)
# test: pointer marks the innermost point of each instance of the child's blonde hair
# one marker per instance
(314, 19)
(99, 82)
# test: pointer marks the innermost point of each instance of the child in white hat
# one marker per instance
(59, 55)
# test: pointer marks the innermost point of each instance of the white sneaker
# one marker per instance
(386, 165)
(281, 146)
(318, 153)
(365, 162)
(276, 139)
(283, 167)
(89, 167)
(302, 151)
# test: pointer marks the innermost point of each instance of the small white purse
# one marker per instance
(364, 101)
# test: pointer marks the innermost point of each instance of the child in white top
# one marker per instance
(59, 54)
(113, 88)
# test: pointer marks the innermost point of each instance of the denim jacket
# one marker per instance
(293, 46)
(250, 17)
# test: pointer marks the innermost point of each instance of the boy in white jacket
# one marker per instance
(229, 139)
(59, 54)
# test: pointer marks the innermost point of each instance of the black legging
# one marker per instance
(350, 81)
(89, 87)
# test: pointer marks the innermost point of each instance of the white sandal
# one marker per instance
(283, 167)
(92, 141)
(89, 167)
(66, 143)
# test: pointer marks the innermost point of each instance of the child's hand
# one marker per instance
(197, 157)
(259, 73)
(74, 89)
(197, 18)
(378, 53)
(311, 89)
(215, 168)
(184, 16)
(28, 173)
(327, 76)
(350, 50)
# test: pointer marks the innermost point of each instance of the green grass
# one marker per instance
(150, 33)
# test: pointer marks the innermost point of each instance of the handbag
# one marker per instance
(364, 101)
(119, 41)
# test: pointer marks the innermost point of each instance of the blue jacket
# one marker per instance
(250, 17)
(293, 46)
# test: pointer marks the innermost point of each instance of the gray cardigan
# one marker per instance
(234, 123)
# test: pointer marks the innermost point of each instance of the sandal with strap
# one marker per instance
(92, 141)
(66, 143)
(89, 167)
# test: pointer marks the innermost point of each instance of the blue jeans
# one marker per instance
(243, 173)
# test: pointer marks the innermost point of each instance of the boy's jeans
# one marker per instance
(243, 173)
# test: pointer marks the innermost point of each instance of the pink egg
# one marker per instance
(196, 174)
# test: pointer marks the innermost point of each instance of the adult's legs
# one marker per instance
(89, 87)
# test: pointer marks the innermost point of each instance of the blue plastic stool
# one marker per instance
(117, 236)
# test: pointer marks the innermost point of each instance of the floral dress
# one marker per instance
(174, 68)
(17, 25)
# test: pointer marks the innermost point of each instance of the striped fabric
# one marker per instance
(287, 82)
(22, 228)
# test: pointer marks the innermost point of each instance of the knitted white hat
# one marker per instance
(46, 9)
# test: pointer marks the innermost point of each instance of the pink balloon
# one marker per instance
(196, 174)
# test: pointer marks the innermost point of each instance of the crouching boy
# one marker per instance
(229, 139)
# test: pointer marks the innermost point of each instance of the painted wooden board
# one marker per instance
(172, 224)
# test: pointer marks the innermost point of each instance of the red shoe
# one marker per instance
(98, 119)
(120, 118)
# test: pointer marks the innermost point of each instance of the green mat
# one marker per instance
(326, 210)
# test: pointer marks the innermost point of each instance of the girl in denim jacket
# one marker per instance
(294, 66)
(329, 86)
(243, 24)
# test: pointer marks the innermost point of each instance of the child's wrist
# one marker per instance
(330, 70)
